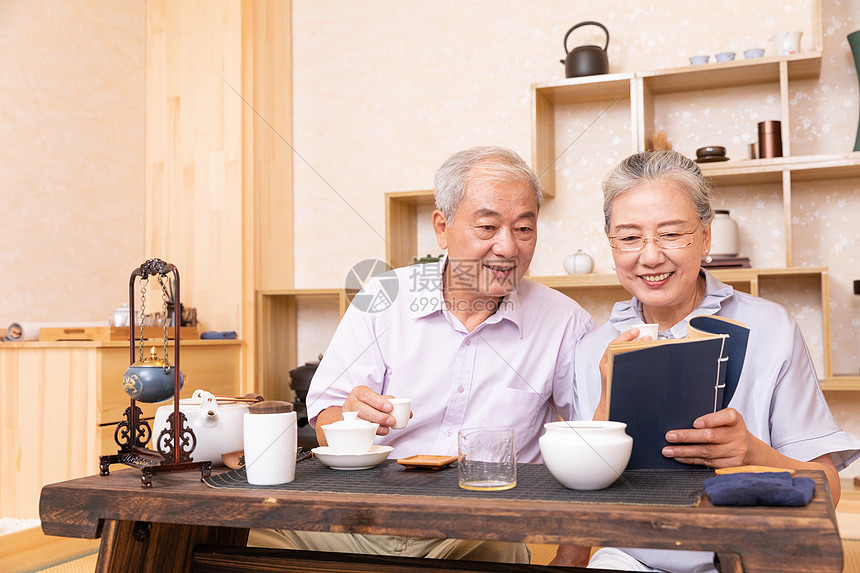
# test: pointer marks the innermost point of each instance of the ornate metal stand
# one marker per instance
(177, 441)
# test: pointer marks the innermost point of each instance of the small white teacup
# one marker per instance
(647, 330)
(401, 411)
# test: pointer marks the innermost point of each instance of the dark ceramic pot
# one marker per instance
(586, 60)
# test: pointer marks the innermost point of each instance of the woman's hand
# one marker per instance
(717, 440)
(601, 412)
(721, 440)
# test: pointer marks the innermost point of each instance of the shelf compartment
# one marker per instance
(745, 280)
(545, 97)
(736, 73)
(729, 276)
(401, 225)
(841, 384)
(802, 168)
(277, 324)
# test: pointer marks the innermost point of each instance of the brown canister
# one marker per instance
(769, 139)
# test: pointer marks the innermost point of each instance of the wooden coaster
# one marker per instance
(427, 461)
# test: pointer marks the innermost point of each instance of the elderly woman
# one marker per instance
(658, 221)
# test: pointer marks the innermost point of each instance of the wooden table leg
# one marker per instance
(135, 547)
(731, 563)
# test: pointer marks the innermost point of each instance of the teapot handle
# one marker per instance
(589, 23)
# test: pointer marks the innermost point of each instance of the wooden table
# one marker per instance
(185, 512)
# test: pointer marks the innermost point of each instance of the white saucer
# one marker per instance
(339, 461)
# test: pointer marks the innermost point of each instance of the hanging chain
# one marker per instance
(142, 313)
(164, 299)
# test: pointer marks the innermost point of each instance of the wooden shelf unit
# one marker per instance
(640, 90)
(277, 335)
(746, 280)
(401, 224)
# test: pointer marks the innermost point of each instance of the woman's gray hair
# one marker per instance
(658, 166)
(488, 163)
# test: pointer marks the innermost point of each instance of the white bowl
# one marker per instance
(350, 435)
(337, 461)
(586, 455)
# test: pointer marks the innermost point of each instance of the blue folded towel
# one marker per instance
(776, 488)
(216, 334)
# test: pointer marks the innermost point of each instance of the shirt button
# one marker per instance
(460, 389)
(468, 342)
(449, 432)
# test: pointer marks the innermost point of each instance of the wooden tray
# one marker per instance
(108, 333)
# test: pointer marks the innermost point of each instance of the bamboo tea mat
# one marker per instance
(680, 488)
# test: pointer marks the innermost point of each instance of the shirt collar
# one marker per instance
(627, 314)
(427, 297)
(424, 282)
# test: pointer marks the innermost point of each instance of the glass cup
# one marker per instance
(487, 459)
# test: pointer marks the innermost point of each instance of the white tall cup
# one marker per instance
(401, 411)
(647, 330)
(271, 440)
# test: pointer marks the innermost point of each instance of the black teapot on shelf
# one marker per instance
(586, 60)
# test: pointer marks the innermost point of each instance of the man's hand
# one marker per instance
(717, 440)
(370, 406)
(571, 556)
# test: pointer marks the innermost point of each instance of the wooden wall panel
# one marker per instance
(194, 152)
(218, 165)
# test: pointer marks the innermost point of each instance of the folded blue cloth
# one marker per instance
(776, 488)
(216, 334)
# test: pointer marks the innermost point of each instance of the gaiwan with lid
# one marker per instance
(150, 379)
(351, 435)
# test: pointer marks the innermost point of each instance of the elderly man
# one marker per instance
(468, 339)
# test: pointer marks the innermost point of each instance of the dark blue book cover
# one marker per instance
(664, 385)
(739, 336)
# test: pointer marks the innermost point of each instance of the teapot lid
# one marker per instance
(350, 421)
(270, 407)
(153, 361)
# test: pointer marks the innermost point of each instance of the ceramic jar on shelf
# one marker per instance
(724, 235)
(579, 263)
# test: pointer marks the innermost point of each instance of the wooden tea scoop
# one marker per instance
(751, 469)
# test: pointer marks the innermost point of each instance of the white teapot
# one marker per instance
(217, 426)
(579, 263)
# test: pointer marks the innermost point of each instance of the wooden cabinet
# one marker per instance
(60, 402)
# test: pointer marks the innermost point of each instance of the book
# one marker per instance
(661, 385)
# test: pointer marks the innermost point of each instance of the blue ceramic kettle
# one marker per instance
(150, 379)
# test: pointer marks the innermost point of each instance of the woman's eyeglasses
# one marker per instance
(634, 243)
